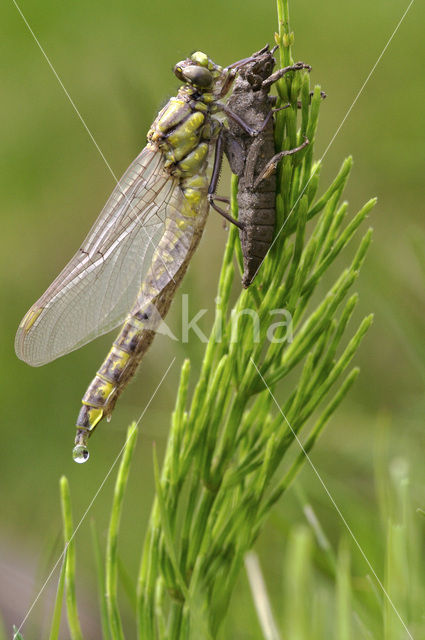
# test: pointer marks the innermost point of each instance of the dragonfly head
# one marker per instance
(198, 70)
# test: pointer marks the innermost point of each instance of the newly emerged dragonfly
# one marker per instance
(137, 252)
(135, 255)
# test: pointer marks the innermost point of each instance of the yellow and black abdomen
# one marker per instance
(183, 134)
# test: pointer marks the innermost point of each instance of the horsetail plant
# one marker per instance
(222, 474)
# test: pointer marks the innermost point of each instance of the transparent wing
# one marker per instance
(96, 289)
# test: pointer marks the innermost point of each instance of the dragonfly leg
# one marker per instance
(218, 161)
(212, 197)
(222, 199)
(223, 213)
(234, 116)
(228, 83)
(272, 164)
(270, 115)
(274, 77)
(249, 130)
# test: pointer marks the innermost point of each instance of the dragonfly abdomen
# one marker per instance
(186, 217)
(138, 332)
(256, 204)
(258, 231)
(103, 391)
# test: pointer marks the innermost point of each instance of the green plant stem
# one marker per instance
(101, 586)
(111, 570)
(71, 600)
(57, 611)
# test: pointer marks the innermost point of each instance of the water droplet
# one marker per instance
(80, 453)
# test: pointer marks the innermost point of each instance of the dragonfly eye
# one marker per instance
(193, 74)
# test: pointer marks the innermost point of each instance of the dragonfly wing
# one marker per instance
(95, 291)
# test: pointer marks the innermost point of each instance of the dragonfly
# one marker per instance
(129, 266)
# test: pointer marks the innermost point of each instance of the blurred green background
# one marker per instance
(115, 60)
